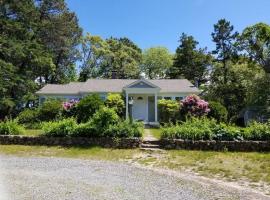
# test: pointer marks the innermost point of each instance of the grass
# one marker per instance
(228, 165)
(96, 153)
(33, 132)
(156, 132)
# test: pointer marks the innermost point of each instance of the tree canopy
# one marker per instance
(190, 62)
(38, 40)
(156, 62)
(256, 42)
(102, 57)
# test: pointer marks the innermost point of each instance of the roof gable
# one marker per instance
(141, 84)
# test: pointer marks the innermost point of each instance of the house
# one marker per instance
(141, 95)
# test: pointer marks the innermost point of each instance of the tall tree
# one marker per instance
(225, 38)
(256, 42)
(102, 57)
(190, 62)
(240, 89)
(94, 51)
(59, 31)
(156, 62)
(223, 77)
(28, 49)
(124, 59)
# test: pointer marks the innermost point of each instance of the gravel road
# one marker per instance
(60, 178)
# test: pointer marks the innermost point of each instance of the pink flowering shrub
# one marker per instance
(69, 107)
(194, 106)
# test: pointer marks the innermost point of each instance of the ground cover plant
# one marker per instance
(104, 123)
(11, 127)
(209, 129)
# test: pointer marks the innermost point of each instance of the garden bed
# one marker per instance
(70, 141)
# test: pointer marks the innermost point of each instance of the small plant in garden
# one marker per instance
(125, 129)
(258, 131)
(194, 106)
(50, 110)
(168, 110)
(11, 127)
(88, 106)
(60, 128)
(217, 111)
(116, 102)
(103, 118)
(209, 129)
(192, 129)
(29, 118)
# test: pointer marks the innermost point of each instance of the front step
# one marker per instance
(150, 146)
(156, 142)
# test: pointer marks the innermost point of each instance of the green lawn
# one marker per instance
(97, 153)
(156, 132)
(33, 132)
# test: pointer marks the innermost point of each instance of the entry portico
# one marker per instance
(138, 95)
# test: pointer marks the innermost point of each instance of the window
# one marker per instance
(178, 98)
(103, 98)
(168, 98)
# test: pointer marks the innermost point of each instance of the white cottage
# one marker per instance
(142, 95)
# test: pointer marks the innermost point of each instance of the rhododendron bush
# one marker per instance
(194, 106)
(69, 107)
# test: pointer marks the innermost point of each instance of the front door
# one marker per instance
(139, 108)
(151, 108)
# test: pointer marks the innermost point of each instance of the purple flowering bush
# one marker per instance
(194, 106)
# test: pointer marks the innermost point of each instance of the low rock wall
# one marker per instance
(215, 145)
(70, 141)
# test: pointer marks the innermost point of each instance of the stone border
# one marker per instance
(215, 145)
(70, 141)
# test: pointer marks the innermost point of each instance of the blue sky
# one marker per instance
(160, 22)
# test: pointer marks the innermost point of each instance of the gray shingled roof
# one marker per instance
(116, 85)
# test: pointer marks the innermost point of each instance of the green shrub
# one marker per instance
(60, 128)
(258, 131)
(11, 127)
(88, 106)
(191, 129)
(227, 132)
(50, 110)
(217, 111)
(29, 118)
(207, 129)
(86, 130)
(115, 102)
(103, 118)
(125, 129)
(168, 110)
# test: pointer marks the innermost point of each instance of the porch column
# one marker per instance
(156, 107)
(126, 105)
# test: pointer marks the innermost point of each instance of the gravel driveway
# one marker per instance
(60, 178)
